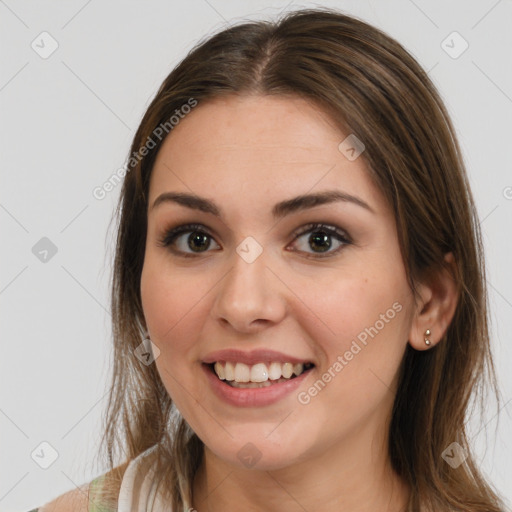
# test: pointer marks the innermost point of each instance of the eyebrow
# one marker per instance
(279, 210)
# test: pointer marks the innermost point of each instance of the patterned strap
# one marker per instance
(95, 504)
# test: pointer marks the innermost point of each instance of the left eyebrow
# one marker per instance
(279, 210)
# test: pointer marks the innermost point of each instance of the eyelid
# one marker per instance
(176, 231)
(330, 228)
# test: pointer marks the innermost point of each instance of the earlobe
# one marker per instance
(439, 295)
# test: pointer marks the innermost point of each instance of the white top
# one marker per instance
(137, 492)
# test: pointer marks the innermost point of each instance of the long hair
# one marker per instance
(372, 87)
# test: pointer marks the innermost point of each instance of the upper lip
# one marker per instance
(252, 357)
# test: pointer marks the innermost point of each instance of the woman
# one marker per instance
(299, 301)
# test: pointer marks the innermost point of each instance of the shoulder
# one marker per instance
(99, 495)
(76, 500)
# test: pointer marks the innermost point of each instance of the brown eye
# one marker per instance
(198, 240)
(321, 239)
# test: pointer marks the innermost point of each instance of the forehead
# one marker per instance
(258, 150)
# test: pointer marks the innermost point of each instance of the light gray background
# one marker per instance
(66, 126)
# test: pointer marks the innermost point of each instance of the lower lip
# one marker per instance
(253, 397)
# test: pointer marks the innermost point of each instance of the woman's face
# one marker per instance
(253, 276)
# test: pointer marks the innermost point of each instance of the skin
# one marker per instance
(246, 154)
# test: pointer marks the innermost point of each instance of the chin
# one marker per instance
(258, 453)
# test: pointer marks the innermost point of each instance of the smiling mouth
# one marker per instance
(240, 375)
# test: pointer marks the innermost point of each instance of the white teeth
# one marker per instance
(242, 372)
(287, 370)
(219, 370)
(257, 373)
(298, 368)
(229, 371)
(274, 371)
(249, 385)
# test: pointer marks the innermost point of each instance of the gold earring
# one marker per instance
(427, 333)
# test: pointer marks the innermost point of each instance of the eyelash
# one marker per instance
(171, 235)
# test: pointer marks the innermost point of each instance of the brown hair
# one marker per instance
(372, 87)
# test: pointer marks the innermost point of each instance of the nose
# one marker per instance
(250, 297)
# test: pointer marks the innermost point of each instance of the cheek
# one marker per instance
(354, 306)
(174, 307)
(367, 316)
(173, 303)
(367, 320)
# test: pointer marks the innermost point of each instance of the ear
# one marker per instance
(438, 297)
